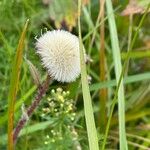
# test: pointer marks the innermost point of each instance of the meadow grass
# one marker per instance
(130, 92)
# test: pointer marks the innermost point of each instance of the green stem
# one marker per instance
(118, 70)
(103, 92)
(89, 116)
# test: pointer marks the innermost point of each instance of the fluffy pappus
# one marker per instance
(60, 55)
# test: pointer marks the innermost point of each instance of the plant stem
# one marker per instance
(89, 116)
(24, 118)
(129, 39)
(118, 72)
(103, 92)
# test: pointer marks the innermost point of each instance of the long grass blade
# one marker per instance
(118, 70)
(120, 78)
(89, 116)
(127, 80)
(14, 86)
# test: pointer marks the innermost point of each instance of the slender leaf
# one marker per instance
(14, 86)
(89, 116)
(118, 70)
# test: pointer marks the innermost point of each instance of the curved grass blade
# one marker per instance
(14, 82)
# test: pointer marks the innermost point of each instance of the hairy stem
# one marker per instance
(24, 118)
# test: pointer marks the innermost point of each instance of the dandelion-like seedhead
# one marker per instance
(59, 51)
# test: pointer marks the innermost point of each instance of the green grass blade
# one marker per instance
(127, 80)
(120, 78)
(89, 116)
(14, 86)
(29, 129)
(136, 54)
(118, 70)
(19, 102)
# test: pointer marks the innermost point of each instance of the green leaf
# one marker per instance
(127, 80)
(118, 72)
(30, 129)
(89, 116)
(16, 68)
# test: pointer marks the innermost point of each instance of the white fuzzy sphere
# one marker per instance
(59, 51)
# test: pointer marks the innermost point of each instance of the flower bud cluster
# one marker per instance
(58, 105)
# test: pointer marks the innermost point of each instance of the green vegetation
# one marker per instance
(69, 115)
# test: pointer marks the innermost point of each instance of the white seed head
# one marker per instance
(59, 51)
